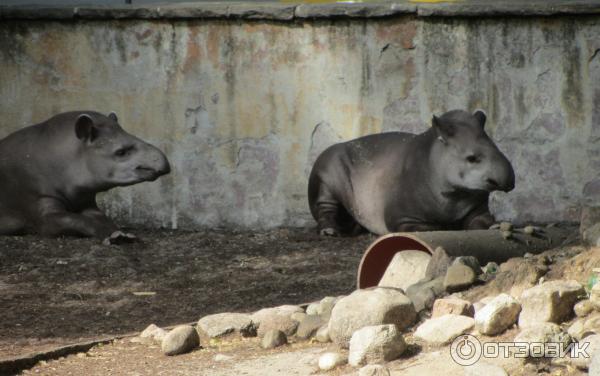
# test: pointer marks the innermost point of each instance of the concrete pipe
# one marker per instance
(485, 245)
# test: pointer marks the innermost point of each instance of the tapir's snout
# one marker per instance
(153, 165)
(502, 177)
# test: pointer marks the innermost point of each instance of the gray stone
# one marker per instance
(298, 316)
(154, 332)
(368, 307)
(438, 265)
(483, 368)
(459, 277)
(312, 309)
(182, 339)
(549, 302)
(309, 326)
(276, 318)
(326, 306)
(221, 324)
(330, 360)
(273, 338)
(375, 344)
(374, 370)
(584, 308)
(594, 365)
(545, 332)
(405, 269)
(323, 334)
(469, 261)
(452, 306)
(444, 329)
(498, 315)
(423, 293)
(585, 326)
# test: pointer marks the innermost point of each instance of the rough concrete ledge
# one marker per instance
(291, 11)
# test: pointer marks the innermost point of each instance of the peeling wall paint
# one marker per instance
(242, 108)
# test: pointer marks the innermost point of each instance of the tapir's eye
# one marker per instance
(473, 158)
(122, 152)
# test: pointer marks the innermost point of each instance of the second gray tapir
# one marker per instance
(390, 182)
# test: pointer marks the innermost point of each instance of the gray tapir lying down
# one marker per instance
(389, 182)
(50, 173)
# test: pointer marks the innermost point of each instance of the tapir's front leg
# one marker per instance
(479, 219)
(55, 220)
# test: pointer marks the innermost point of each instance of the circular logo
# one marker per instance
(465, 350)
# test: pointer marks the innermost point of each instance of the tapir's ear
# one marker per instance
(444, 131)
(112, 116)
(480, 116)
(85, 129)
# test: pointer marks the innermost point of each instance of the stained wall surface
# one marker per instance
(243, 107)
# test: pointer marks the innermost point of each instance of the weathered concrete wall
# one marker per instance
(242, 108)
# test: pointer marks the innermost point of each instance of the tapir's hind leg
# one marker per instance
(332, 217)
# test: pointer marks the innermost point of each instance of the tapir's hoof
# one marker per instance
(119, 237)
(329, 231)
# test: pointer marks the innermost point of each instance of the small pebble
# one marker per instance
(529, 230)
(506, 226)
(323, 334)
(181, 339)
(506, 234)
(331, 360)
(273, 338)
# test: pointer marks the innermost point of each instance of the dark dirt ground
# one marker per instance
(61, 291)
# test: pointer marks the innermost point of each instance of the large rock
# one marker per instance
(423, 293)
(330, 360)
(544, 332)
(584, 308)
(439, 264)
(497, 315)
(368, 307)
(444, 329)
(459, 277)
(592, 345)
(594, 367)
(405, 269)
(326, 306)
(309, 326)
(181, 339)
(452, 306)
(273, 338)
(322, 334)
(278, 318)
(153, 332)
(585, 326)
(221, 324)
(549, 302)
(375, 344)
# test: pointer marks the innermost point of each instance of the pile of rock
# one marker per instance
(368, 326)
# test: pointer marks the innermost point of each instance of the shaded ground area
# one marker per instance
(59, 291)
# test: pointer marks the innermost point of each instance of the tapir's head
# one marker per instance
(113, 157)
(468, 158)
